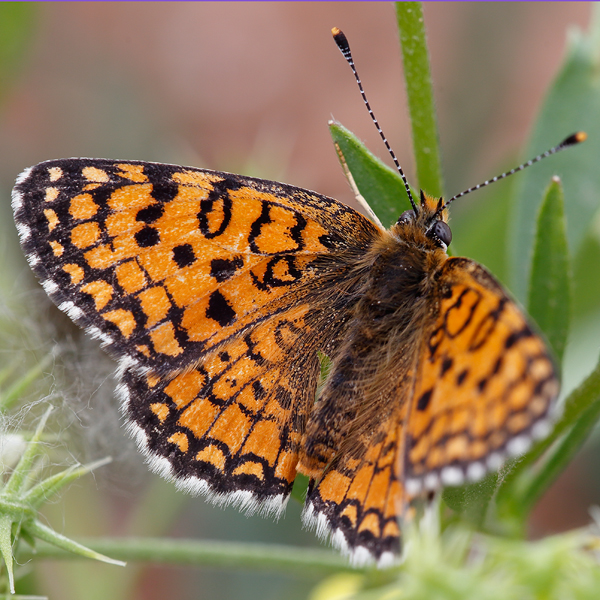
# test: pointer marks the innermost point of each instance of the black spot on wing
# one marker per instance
(183, 255)
(423, 401)
(147, 237)
(219, 309)
(222, 268)
(446, 365)
(149, 214)
(462, 376)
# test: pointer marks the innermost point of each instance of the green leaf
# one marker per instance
(381, 187)
(550, 283)
(52, 485)
(16, 28)
(42, 532)
(472, 501)
(419, 91)
(6, 548)
(19, 476)
(583, 399)
(572, 104)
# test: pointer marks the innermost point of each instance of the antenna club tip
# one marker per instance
(576, 138)
(340, 39)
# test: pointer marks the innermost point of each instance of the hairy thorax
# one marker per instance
(397, 295)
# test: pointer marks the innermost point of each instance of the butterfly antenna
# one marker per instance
(576, 138)
(342, 43)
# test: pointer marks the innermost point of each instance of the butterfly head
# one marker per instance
(430, 220)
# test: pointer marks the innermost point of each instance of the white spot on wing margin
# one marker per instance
(17, 197)
(452, 476)
(518, 445)
(49, 287)
(24, 231)
(73, 311)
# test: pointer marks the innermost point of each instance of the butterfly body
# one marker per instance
(392, 299)
(216, 292)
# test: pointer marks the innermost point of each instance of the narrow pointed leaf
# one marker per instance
(22, 470)
(379, 185)
(49, 487)
(6, 548)
(46, 534)
(550, 283)
(572, 104)
(419, 92)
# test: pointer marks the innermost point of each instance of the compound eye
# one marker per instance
(440, 232)
(408, 216)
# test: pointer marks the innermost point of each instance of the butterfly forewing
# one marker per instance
(162, 262)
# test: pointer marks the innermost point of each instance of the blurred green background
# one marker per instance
(249, 88)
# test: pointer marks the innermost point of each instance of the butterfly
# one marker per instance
(217, 293)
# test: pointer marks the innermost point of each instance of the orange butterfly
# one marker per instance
(216, 292)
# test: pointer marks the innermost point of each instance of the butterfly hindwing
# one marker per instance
(231, 426)
(359, 498)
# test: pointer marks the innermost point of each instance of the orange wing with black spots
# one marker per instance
(162, 262)
(203, 285)
(216, 292)
(484, 385)
(360, 497)
(231, 426)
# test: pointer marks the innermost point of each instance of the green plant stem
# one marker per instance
(267, 557)
(419, 91)
(6, 548)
